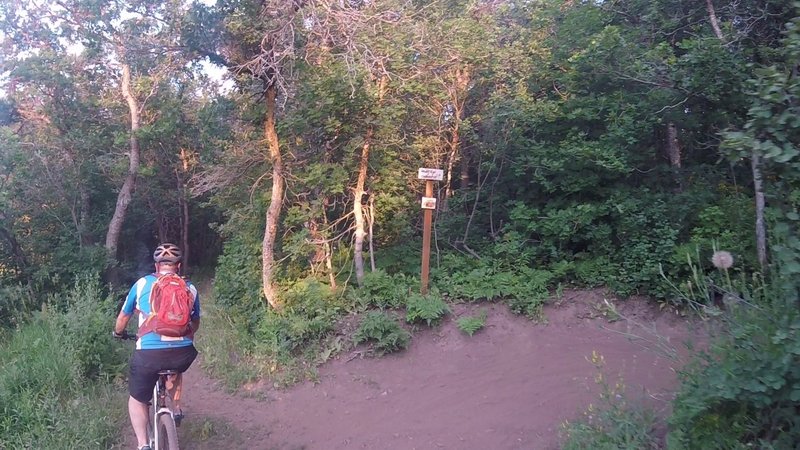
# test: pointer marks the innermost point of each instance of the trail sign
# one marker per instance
(428, 205)
(430, 174)
(428, 202)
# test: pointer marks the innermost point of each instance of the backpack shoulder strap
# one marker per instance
(147, 325)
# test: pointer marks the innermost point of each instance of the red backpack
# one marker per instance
(171, 305)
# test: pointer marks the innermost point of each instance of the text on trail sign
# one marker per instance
(428, 202)
(430, 174)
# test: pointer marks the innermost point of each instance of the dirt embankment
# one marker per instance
(510, 386)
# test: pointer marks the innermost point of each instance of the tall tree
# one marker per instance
(256, 39)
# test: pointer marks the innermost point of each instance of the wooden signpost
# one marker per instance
(428, 205)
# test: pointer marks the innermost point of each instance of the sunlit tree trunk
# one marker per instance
(126, 192)
(360, 190)
(276, 200)
(457, 93)
(358, 207)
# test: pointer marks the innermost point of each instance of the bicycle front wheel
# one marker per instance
(167, 433)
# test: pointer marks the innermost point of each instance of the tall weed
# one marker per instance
(56, 373)
(614, 424)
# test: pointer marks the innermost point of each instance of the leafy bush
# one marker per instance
(429, 308)
(237, 286)
(383, 290)
(45, 400)
(86, 324)
(383, 331)
(745, 389)
(530, 292)
(525, 288)
(471, 324)
(309, 311)
(16, 304)
(594, 271)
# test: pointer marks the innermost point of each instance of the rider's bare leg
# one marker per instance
(174, 385)
(138, 412)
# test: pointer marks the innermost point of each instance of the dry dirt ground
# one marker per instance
(510, 386)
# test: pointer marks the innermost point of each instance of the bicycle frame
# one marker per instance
(158, 408)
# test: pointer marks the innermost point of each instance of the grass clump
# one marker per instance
(472, 324)
(383, 332)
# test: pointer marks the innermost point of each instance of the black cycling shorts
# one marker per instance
(145, 365)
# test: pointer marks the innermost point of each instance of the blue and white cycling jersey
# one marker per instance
(139, 300)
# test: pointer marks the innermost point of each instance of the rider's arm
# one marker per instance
(128, 307)
(122, 322)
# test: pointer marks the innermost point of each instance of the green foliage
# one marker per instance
(525, 289)
(85, 326)
(309, 310)
(429, 308)
(472, 324)
(745, 389)
(54, 374)
(383, 332)
(613, 424)
(17, 303)
(237, 288)
(383, 290)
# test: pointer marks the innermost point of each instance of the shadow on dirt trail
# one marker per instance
(510, 386)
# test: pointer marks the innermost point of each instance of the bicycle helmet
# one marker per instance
(167, 253)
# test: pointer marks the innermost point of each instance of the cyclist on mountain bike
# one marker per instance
(155, 352)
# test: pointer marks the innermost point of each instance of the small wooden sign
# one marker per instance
(428, 202)
(430, 174)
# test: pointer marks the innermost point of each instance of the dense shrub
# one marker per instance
(54, 376)
(237, 287)
(745, 389)
(383, 290)
(308, 312)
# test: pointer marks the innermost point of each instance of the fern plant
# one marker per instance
(429, 308)
(471, 324)
(383, 331)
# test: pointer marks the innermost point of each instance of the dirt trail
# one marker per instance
(510, 386)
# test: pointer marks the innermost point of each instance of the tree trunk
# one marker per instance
(84, 217)
(360, 190)
(755, 165)
(276, 200)
(458, 93)
(761, 232)
(371, 220)
(328, 252)
(183, 206)
(451, 161)
(126, 192)
(358, 208)
(712, 17)
(674, 154)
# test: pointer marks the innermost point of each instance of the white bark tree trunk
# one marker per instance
(126, 192)
(276, 201)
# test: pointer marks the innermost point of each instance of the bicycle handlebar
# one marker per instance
(124, 336)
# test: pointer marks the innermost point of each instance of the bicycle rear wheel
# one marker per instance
(167, 433)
